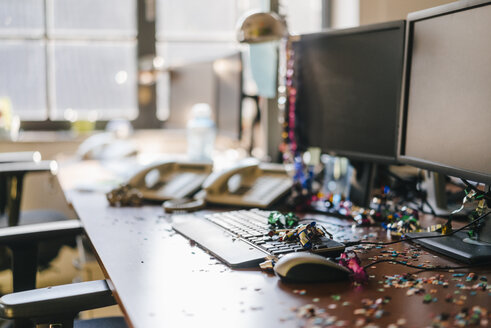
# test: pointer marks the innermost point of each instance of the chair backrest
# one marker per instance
(10, 157)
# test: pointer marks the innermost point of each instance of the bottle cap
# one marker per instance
(201, 110)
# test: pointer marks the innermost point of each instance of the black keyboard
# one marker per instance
(240, 238)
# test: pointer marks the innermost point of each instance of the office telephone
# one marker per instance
(170, 180)
(249, 185)
(105, 146)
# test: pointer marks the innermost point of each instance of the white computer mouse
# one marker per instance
(307, 267)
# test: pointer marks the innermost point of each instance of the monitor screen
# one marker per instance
(218, 83)
(190, 84)
(446, 112)
(228, 72)
(348, 90)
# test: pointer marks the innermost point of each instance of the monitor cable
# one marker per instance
(480, 194)
(422, 269)
(356, 243)
(411, 188)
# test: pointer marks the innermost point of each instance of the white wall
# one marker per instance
(345, 13)
(375, 11)
(349, 13)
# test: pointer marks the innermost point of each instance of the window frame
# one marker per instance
(146, 40)
(145, 44)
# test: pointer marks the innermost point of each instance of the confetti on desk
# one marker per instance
(475, 317)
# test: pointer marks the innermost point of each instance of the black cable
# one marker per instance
(479, 192)
(469, 185)
(411, 186)
(356, 243)
(393, 261)
(436, 268)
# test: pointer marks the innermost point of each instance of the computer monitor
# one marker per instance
(216, 82)
(190, 84)
(348, 90)
(229, 79)
(348, 95)
(445, 110)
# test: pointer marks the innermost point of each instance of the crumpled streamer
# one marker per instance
(351, 261)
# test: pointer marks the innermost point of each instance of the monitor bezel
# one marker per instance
(412, 18)
(392, 25)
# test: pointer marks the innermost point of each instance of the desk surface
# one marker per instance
(161, 280)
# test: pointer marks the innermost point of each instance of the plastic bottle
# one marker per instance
(201, 132)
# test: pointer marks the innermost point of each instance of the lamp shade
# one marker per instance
(258, 27)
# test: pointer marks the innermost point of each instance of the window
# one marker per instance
(77, 56)
(189, 31)
(65, 58)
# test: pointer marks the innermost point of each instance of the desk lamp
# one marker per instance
(259, 27)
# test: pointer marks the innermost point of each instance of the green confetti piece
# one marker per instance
(336, 297)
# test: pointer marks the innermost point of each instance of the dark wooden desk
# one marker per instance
(161, 280)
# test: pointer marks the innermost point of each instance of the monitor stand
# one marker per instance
(434, 184)
(361, 190)
(460, 246)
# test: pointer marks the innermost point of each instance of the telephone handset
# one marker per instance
(170, 180)
(249, 185)
(105, 146)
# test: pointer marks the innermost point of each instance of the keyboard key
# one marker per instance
(281, 251)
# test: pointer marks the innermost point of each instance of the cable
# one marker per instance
(469, 185)
(411, 186)
(356, 243)
(437, 268)
(478, 191)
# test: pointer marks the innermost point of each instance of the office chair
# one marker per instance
(12, 173)
(13, 168)
(25, 242)
(12, 157)
(59, 305)
(55, 305)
